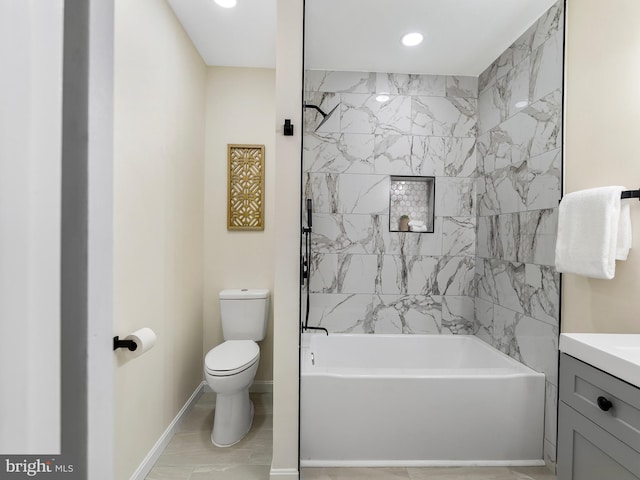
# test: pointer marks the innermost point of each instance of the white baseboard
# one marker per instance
(283, 473)
(421, 463)
(262, 386)
(152, 457)
(259, 386)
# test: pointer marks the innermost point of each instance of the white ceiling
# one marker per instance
(462, 37)
(244, 36)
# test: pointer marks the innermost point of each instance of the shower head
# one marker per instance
(325, 116)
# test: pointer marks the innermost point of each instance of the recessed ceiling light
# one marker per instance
(383, 97)
(412, 39)
(226, 3)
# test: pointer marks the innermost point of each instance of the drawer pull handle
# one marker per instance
(604, 404)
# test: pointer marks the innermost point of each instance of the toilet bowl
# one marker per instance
(230, 369)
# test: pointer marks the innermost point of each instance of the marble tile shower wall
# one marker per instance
(365, 278)
(518, 190)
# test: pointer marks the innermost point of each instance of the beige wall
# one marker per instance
(240, 110)
(287, 204)
(158, 276)
(602, 119)
(160, 85)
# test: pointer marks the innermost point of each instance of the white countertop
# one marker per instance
(616, 353)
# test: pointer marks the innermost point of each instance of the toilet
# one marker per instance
(231, 366)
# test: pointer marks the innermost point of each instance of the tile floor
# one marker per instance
(191, 456)
(410, 473)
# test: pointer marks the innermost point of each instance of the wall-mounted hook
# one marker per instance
(288, 127)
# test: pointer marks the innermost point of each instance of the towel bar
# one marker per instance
(630, 194)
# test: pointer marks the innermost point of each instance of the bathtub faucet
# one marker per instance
(305, 327)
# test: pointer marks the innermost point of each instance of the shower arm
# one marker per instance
(316, 108)
(325, 116)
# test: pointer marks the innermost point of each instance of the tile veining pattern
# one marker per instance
(518, 190)
(365, 278)
(494, 145)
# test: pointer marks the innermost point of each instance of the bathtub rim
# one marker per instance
(418, 373)
(515, 368)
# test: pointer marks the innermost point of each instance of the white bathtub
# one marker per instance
(416, 400)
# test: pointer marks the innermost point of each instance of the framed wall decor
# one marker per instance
(245, 194)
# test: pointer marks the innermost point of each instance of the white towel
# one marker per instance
(417, 223)
(593, 231)
(418, 228)
(624, 231)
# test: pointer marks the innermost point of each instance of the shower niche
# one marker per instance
(411, 204)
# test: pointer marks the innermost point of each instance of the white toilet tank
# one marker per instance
(244, 313)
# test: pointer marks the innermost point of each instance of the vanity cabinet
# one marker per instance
(598, 424)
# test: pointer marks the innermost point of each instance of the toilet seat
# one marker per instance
(231, 357)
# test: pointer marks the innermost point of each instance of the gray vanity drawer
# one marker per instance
(587, 452)
(582, 385)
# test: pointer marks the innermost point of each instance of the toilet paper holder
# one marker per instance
(130, 344)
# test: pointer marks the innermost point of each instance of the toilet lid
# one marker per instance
(231, 356)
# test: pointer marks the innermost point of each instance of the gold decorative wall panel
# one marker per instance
(246, 187)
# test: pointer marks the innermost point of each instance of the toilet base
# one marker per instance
(232, 419)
